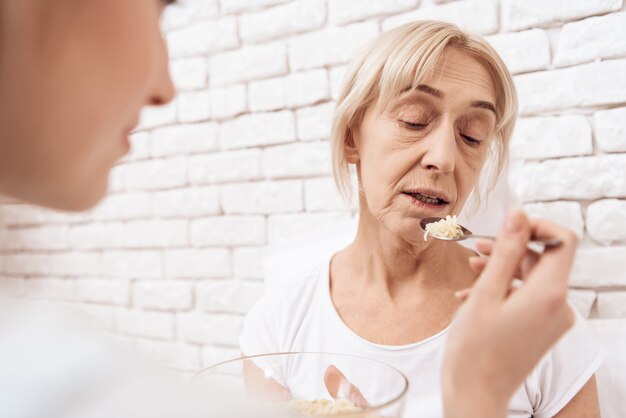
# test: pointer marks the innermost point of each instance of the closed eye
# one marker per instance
(413, 126)
(470, 140)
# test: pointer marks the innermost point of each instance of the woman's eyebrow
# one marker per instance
(481, 104)
(430, 90)
(484, 105)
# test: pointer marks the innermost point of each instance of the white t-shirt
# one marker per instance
(301, 317)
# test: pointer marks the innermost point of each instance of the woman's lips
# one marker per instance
(431, 194)
(428, 202)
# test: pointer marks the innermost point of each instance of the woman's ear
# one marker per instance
(352, 153)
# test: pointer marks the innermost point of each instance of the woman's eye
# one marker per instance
(470, 140)
(414, 126)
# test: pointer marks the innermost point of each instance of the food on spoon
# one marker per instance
(445, 228)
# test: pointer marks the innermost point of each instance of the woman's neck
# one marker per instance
(378, 257)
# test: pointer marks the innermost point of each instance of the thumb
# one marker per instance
(507, 254)
(339, 387)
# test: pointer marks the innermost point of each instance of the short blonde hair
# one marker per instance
(399, 60)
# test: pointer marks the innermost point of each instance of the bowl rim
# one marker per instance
(395, 399)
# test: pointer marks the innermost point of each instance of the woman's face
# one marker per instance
(74, 75)
(422, 156)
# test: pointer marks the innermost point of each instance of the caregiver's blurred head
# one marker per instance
(74, 75)
(421, 110)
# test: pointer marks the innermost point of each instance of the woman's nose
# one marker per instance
(440, 153)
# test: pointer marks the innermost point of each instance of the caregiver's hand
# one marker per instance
(339, 387)
(499, 336)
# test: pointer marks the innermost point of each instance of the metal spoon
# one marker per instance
(537, 244)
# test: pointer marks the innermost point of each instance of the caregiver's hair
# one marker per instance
(395, 63)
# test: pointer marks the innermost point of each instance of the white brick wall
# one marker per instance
(186, 203)
(124, 206)
(294, 17)
(248, 63)
(189, 73)
(611, 129)
(297, 160)
(184, 139)
(193, 106)
(612, 304)
(170, 295)
(342, 12)
(227, 101)
(521, 14)
(314, 122)
(295, 90)
(194, 10)
(139, 264)
(228, 296)
(158, 116)
(105, 291)
(523, 51)
(225, 167)
(203, 37)
(154, 174)
(551, 137)
(238, 6)
(256, 129)
(479, 16)
(590, 39)
(606, 221)
(329, 46)
(228, 231)
(248, 263)
(582, 178)
(158, 325)
(307, 88)
(597, 84)
(262, 197)
(599, 267)
(568, 214)
(197, 263)
(172, 259)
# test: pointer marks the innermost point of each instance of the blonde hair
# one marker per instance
(399, 60)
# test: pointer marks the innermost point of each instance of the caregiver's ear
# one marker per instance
(351, 151)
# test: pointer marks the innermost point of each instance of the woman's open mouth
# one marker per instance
(427, 199)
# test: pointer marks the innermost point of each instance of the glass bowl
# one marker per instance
(307, 384)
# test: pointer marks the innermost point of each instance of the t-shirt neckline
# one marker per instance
(324, 282)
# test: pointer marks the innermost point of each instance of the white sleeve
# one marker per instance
(566, 369)
(260, 334)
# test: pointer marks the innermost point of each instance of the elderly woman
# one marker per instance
(422, 110)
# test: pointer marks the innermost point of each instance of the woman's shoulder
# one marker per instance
(275, 318)
(290, 296)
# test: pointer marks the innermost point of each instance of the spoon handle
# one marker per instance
(545, 243)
